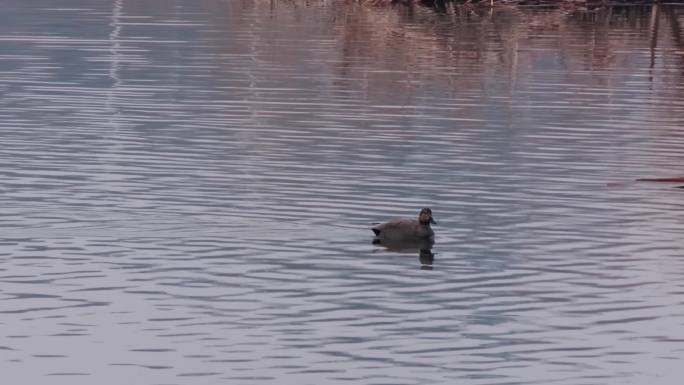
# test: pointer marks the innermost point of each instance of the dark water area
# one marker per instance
(188, 189)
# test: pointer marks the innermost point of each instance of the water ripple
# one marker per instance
(188, 188)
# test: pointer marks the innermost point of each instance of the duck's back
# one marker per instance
(402, 228)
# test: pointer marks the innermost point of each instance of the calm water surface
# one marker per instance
(187, 190)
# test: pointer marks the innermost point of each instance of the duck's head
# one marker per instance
(425, 217)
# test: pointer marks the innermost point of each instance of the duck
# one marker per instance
(405, 229)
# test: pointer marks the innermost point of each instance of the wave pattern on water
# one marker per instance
(187, 191)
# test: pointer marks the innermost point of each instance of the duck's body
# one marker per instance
(404, 229)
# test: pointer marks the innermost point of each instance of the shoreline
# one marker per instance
(525, 3)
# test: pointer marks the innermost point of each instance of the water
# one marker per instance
(188, 186)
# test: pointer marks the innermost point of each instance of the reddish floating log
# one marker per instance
(679, 179)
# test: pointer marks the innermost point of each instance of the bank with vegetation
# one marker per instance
(546, 3)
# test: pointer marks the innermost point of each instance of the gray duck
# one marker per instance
(405, 229)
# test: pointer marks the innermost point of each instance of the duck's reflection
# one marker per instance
(423, 247)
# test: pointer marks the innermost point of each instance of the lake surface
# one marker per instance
(188, 187)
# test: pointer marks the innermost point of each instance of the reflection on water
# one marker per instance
(188, 188)
(421, 247)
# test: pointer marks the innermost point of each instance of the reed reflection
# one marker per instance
(418, 39)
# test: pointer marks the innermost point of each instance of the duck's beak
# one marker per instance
(432, 221)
